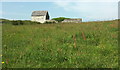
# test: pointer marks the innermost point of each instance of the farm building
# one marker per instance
(51, 21)
(72, 20)
(40, 16)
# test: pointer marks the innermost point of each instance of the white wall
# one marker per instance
(40, 19)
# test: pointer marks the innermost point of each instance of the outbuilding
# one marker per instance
(40, 16)
(78, 20)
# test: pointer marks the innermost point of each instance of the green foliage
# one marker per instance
(60, 19)
(19, 22)
(28, 22)
(5, 21)
(48, 22)
(53, 45)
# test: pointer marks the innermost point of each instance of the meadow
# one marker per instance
(61, 45)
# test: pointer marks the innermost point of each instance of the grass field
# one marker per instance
(75, 45)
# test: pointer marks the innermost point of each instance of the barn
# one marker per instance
(40, 16)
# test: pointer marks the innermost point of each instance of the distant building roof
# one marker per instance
(77, 20)
(39, 13)
(73, 19)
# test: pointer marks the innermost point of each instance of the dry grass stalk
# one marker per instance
(74, 38)
(7, 61)
(83, 35)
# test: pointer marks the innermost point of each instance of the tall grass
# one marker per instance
(79, 45)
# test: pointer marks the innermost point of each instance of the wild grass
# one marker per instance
(75, 45)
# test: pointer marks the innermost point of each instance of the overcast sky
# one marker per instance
(88, 10)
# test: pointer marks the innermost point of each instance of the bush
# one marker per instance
(17, 22)
(60, 19)
(4, 21)
(50, 21)
(26, 22)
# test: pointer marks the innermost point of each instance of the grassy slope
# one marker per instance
(52, 45)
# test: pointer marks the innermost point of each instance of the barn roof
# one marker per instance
(39, 13)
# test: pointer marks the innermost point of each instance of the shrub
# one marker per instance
(4, 21)
(14, 23)
(17, 22)
(25, 22)
(60, 19)
(51, 21)
(47, 22)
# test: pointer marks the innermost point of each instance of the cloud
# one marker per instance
(60, 0)
(92, 10)
(1, 13)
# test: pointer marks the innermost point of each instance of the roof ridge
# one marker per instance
(38, 13)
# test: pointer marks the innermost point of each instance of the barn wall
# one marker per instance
(40, 19)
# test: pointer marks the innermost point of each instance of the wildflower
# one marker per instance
(1, 55)
(3, 62)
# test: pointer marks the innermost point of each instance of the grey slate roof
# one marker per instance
(74, 19)
(39, 13)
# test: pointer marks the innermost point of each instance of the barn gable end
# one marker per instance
(40, 16)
